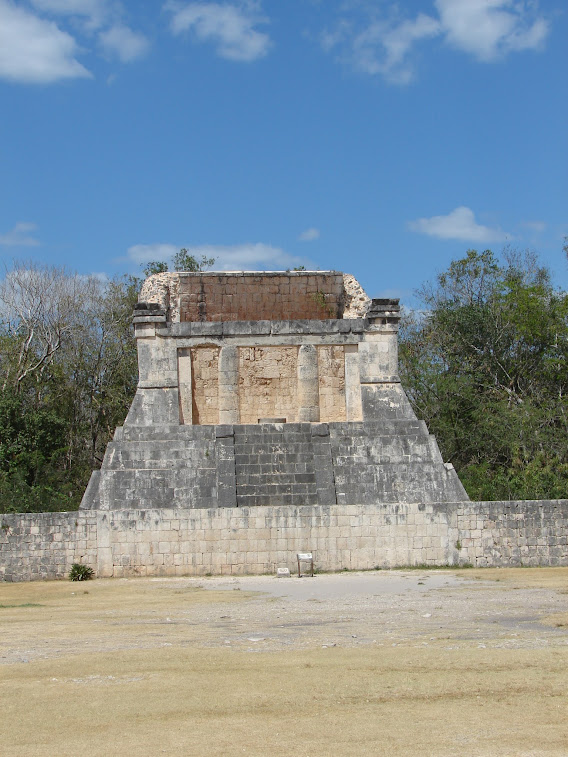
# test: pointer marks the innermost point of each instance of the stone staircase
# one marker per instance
(274, 465)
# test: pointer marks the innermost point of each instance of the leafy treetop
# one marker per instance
(183, 261)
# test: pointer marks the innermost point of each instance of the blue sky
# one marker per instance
(379, 138)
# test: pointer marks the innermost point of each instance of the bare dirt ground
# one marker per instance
(431, 663)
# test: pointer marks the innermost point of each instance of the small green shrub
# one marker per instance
(81, 572)
(319, 298)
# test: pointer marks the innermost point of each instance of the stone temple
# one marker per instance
(269, 421)
(268, 389)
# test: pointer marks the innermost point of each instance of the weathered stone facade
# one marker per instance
(251, 440)
(256, 390)
(255, 540)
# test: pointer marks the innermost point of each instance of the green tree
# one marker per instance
(96, 377)
(485, 364)
(183, 261)
(69, 372)
(38, 309)
(155, 266)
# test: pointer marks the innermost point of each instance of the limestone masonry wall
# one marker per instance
(331, 371)
(267, 383)
(163, 289)
(268, 296)
(171, 542)
(45, 545)
(205, 385)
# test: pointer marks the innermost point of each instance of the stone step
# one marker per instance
(378, 428)
(166, 455)
(167, 432)
(276, 500)
(275, 464)
(396, 482)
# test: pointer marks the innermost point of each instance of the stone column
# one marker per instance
(157, 397)
(229, 385)
(382, 396)
(352, 384)
(308, 384)
(184, 383)
(104, 547)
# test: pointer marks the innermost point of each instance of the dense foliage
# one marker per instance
(485, 365)
(68, 372)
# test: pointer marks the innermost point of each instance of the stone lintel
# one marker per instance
(149, 319)
(292, 340)
(264, 328)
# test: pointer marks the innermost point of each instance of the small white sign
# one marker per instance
(305, 556)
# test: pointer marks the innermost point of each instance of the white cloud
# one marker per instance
(36, 49)
(309, 235)
(380, 41)
(460, 224)
(489, 29)
(117, 39)
(249, 257)
(537, 226)
(126, 44)
(33, 50)
(95, 11)
(230, 27)
(384, 48)
(239, 257)
(19, 236)
(398, 41)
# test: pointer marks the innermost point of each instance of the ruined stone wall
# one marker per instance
(343, 429)
(237, 541)
(44, 545)
(331, 373)
(195, 466)
(288, 345)
(518, 532)
(162, 289)
(256, 297)
(268, 383)
(205, 385)
(301, 290)
(356, 299)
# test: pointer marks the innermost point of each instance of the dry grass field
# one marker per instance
(468, 663)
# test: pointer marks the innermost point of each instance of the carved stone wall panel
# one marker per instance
(268, 386)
